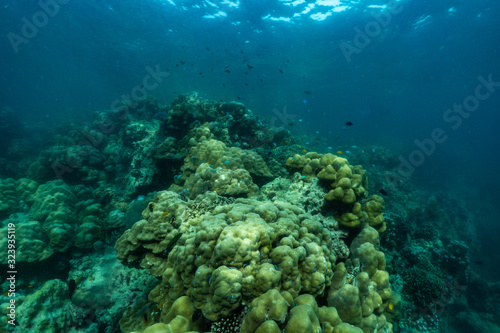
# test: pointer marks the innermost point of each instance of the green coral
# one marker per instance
(263, 244)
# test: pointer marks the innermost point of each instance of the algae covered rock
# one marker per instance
(31, 240)
(45, 310)
(16, 195)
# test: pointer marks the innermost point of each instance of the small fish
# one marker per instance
(382, 191)
(238, 97)
(281, 71)
(348, 123)
(151, 206)
(91, 279)
(23, 247)
(143, 310)
(391, 306)
(164, 213)
(277, 150)
(227, 71)
(145, 316)
(227, 161)
(171, 244)
(307, 92)
(249, 66)
(339, 152)
(177, 156)
(30, 286)
(160, 305)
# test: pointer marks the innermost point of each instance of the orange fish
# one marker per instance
(340, 152)
(164, 213)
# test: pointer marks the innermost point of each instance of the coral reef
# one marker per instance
(233, 226)
(224, 253)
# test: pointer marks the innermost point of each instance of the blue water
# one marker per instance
(399, 71)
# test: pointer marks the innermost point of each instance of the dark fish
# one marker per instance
(151, 206)
(281, 71)
(71, 287)
(307, 92)
(249, 66)
(224, 85)
(227, 71)
(181, 62)
(143, 310)
(382, 191)
(238, 97)
(245, 73)
(348, 123)
(206, 48)
(478, 262)
(246, 84)
(171, 244)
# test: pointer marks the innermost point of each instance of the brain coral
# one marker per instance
(229, 251)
